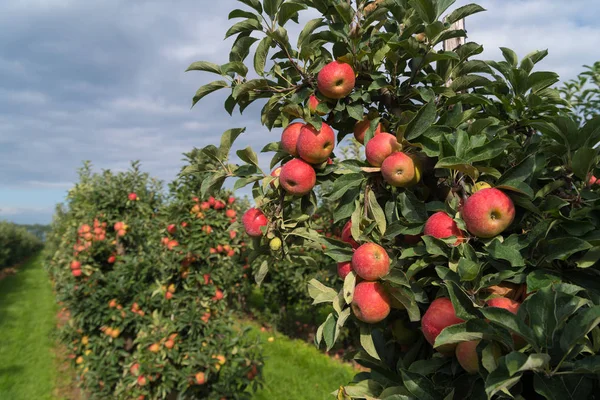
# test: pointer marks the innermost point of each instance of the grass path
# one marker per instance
(27, 319)
(296, 370)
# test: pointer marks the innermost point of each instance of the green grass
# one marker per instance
(27, 318)
(296, 370)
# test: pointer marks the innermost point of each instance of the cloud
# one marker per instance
(104, 80)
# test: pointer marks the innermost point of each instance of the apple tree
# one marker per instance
(470, 247)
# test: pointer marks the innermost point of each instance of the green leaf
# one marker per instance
(555, 387)
(503, 251)
(247, 25)
(204, 66)
(255, 4)
(349, 284)
(407, 298)
(248, 155)
(260, 57)
(344, 183)
(517, 186)
(488, 151)
(308, 29)
(563, 248)
(590, 258)
(377, 212)
(458, 164)
(436, 247)
(419, 386)
(584, 160)
(468, 270)
(510, 56)
(271, 7)
(578, 327)
(262, 272)
(289, 11)
(468, 82)
(509, 321)
(329, 328)
(366, 341)
(320, 293)
(344, 11)
(463, 305)
(227, 140)
(424, 118)
(241, 48)
(425, 9)
(541, 80)
(207, 89)
(411, 208)
(250, 85)
(242, 14)
(235, 66)
(463, 12)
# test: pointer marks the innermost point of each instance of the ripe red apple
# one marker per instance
(297, 177)
(200, 378)
(466, 354)
(347, 235)
(253, 220)
(593, 181)
(212, 201)
(289, 138)
(343, 269)
(370, 303)
(154, 347)
(75, 264)
(172, 228)
(361, 127)
(315, 146)
(370, 261)
(336, 80)
(504, 302)
(169, 344)
(230, 213)
(112, 259)
(141, 380)
(172, 244)
(132, 196)
(488, 213)
(438, 316)
(219, 205)
(400, 170)
(134, 369)
(205, 205)
(440, 225)
(313, 102)
(380, 147)
(76, 272)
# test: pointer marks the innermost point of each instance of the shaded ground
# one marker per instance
(27, 320)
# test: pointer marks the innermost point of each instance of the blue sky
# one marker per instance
(103, 80)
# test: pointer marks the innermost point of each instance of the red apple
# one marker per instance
(218, 295)
(370, 303)
(172, 228)
(347, 235)
(169, 344)
(141, 380)
(212, 201)
(370, 261)
(315, 146)
(380, 147)
(219, 205)
(504, 302)
(230, 200)
(438, 316)
(253, 220)
(289, 138)
(172, 244)
(230, 213)
(400, 170)
(336, 80)
(313, 102)
(297, 177)
(132, 196)
(361, 127)
(112, 259)
(466, 354)
(76, 272)
(200, 378)
(440, 225)
(134, 369)
(343, 269)
(205, 205)
(488, 213)
(75, 264)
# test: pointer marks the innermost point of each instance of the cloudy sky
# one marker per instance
(103, 80)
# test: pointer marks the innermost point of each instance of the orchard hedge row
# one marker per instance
(145, 292)
(16, 243)
(470, 251)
